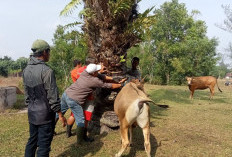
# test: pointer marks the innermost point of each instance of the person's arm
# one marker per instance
(52, 93)
(62, 118)
(116, 85)
(119, 84)
(113, 80)
(108, 78)
(26, 96)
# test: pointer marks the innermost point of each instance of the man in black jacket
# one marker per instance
(42, 99)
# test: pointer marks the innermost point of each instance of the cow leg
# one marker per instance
(143, 121)
(124, 137)
(147, 145)
(191, 94)
(130, 134)
(212, 92)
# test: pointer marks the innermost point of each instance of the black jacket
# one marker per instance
(41, 93)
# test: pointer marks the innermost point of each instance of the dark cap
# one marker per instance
(135, 59)
(39, 46)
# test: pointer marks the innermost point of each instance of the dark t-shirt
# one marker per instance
(84, 86)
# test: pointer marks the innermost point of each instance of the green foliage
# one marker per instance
(122, 59)
(5, 65)
(175, 44)
(222, 68)
(142, 24)
(19, 64)
(70, 7)
(67, 47)
(119, 7)
(177, 47)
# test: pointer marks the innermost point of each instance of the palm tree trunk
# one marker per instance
(108, 42)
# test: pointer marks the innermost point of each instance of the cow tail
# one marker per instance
(218, 87)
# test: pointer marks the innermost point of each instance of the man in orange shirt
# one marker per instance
(74, 73)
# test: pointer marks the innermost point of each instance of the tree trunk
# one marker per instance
(108, 42)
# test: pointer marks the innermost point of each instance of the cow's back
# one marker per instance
(128, 94)
(202, 82)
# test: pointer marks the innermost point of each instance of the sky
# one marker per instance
(24, 21)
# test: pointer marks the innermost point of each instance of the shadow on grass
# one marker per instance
(138, 143)
(61, 132)
(174, 95)
(75, 150)
(205, 96)
(156, 111)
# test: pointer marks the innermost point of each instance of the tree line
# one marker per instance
(173, 45)
(9, 66)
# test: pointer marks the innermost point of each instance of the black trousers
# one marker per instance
(40, 139)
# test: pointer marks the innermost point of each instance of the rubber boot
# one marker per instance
(80, 134)
(86, 138)
(69, 131)
(56, 120)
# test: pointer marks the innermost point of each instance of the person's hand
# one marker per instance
(123, 80)
(102, 70)
(63, 120)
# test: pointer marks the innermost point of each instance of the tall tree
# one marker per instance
(68, 45)
(112, 27)
(180, 44)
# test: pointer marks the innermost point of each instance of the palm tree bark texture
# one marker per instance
(109, 36)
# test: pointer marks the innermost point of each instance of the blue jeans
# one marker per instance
(40, 136)
(75, 107)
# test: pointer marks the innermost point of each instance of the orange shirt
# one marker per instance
(80, 70)
(74, 74)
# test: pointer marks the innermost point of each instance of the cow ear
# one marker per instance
(142, 81)
(133, 80)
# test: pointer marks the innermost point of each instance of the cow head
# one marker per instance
(139, 84)
(189, 80)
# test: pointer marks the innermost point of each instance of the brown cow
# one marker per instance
(131, 106)
(201, 83)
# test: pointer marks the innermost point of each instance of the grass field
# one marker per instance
(188, 128)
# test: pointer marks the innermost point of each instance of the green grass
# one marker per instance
(188, 128)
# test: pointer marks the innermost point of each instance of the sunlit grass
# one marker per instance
(188, 128)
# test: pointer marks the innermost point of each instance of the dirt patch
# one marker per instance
(10, 81)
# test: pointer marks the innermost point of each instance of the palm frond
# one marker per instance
(141, 24)
(118, 7)
(71, 25)
(87, 12)
(70, 7)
